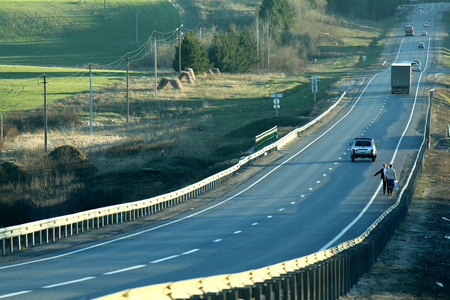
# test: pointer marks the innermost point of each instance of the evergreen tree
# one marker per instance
(193, 55)
(280, 15)
(223, 51)
(248, 50)
(232, 53)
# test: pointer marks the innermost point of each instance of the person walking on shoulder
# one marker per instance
(383, 177)
(391, 177)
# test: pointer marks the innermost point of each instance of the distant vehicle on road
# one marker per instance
(424, 33)
(421, 45)
(409, 30)
(421, 11)
(415, 66)
(363, 148)
(426, 24)
(401, 77)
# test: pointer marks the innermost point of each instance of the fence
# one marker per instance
(266, 137)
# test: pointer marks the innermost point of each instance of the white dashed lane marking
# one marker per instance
(67, 282)
(124, 270)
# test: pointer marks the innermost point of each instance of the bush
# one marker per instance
(18, 122)
(68, 159)
(13, 172)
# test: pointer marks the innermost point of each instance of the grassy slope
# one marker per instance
(70, 33)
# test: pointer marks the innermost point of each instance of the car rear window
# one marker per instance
(363, 143)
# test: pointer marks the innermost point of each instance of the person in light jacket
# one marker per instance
(383, 177)
(391, 177)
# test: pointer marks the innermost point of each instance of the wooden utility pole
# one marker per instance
(45, 113)
(128, 90)
(1, 125)
(90, 99)
(179, 50)
(156, 68)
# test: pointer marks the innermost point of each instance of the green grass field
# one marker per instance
(22, 87)
(77, 32)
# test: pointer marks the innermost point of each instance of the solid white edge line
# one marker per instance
(67, 282)
(124, 270)
(14, 294)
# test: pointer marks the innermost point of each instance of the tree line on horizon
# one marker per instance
(373, 10)
(234, 52)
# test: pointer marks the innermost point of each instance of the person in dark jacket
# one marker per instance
(383, 177)
(391, 178)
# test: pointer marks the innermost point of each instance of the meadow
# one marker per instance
(77, 32)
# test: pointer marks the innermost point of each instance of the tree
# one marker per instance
(365, 9)
(281, 17)
(193, 55)
(232, 53)
(248, 49)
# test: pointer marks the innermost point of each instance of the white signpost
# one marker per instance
(276, 101)
(314, 87)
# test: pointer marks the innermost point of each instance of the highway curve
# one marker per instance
(312, 198)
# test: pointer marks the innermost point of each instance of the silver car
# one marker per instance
(415, 66)
(363, 148)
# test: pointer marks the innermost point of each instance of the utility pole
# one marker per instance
(179, 50)
(156, 67)
(90, 99)
(257, 39)
(1, 125)
(128, 91)
(137, 31)
(45, 112)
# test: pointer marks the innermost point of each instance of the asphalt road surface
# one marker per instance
(313, 198)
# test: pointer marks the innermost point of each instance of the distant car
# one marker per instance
(363, 148)
(424, 33)
(426, 24)
(415, 67)
(417, 62)
(421, 11)
(421, 45)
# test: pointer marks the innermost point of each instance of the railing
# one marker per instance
(327, 274)
(14, 238)
(266, 137)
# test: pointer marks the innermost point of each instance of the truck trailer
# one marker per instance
(409, 30)
(401, 77)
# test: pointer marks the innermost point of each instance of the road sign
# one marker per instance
(314, 84)
(276, 95)
(276, 101)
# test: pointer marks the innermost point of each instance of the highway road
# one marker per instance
(312, 198)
